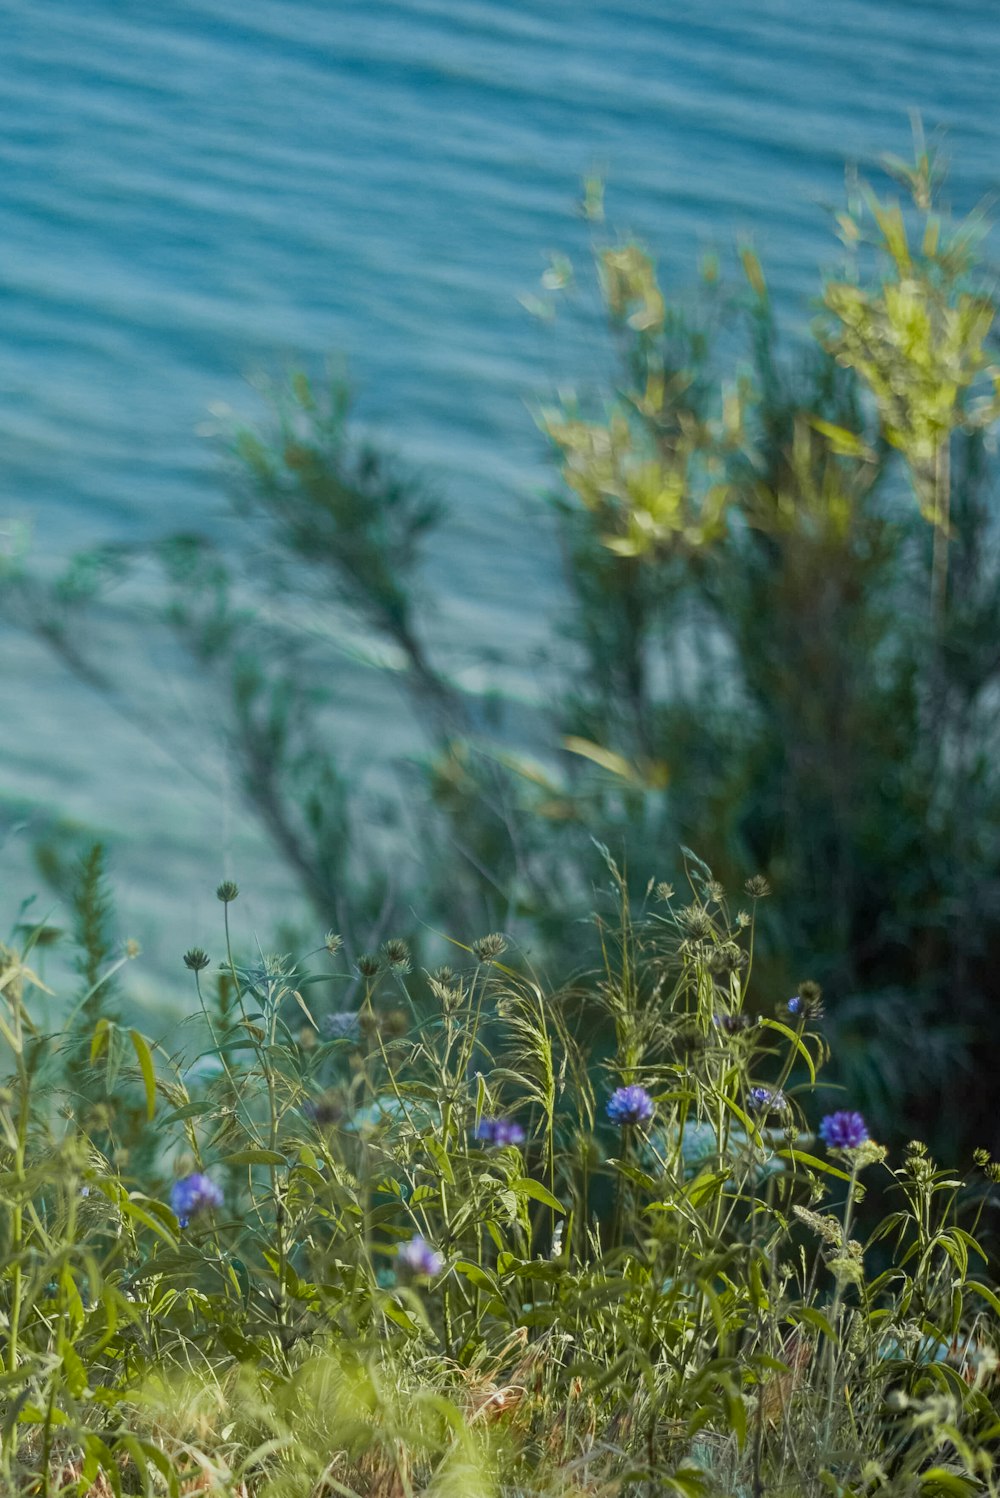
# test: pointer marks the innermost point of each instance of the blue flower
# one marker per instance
(630, 1105)
(341, 1025)
(795, 1005)
(843, 1130)
(499, 1131)
(420, 1257)
(194, 1194)
(764, 1100)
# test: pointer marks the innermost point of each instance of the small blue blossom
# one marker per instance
(630, 1105)
(795, 1005)
(499, 1131)
(341, 1025)
(843, 1130)
(766, 1100)
(194, 1194)
(420, 1257)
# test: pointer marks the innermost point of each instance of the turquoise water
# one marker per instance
(198, 191)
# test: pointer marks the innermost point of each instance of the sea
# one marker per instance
(199, 196)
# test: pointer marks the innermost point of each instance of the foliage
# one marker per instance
(769, 650)
(338, 1274)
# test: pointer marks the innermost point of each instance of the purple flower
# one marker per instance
(194, 1194)
(420, 1257)
(341, 1025)
(499, 1131)
(630, 1105)
(843, 1130)
(764, 1100)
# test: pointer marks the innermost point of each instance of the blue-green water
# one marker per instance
(199, 190)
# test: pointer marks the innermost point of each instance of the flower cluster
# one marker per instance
(767, 1100)
(843, 1130)
(499, 1131)
(630, 1105)
(193, 1194)
(419, 1257)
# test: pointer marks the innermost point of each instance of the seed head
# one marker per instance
(757, 887)
(196, 959)
(333, 942)
(368, 964)
(489, 948)
(227, 891)
(397, 956)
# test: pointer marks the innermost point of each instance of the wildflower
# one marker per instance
(807, 1003)
(488, 948)
(193, 1194)
(227, 891)
(418, 1256)
(333, 942)
(764, 1100)
(196, 959)
(843, 1130)
(630, 1105)
(731, 1024)
(368, 965)
(757, 887)
(342, 1024)
(499, 1131)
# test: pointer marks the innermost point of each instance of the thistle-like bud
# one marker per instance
(489, 948)
(227, 891)
(368, 965)
(333, 942)
(443, 974)
(196, 959)
(397, 956)
(664, 891)
(697, 920)
(757, 887)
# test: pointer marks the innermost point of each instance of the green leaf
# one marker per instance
(796, 1040)
(801, 1158)
(254, 1157)
(524, 1186)
(439, 1155)
(145, 1058)
(477, 1276)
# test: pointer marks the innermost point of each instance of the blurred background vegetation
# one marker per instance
(778, 647)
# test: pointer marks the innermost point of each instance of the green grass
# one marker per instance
(694, 1304)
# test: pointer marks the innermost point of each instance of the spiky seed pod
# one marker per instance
(196, 959)
(368, 965)
(397, 956)
(757, 887)
(489, 948)
(227, 891)
(333, 942)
